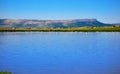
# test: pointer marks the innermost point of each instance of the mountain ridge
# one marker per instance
(21, 23)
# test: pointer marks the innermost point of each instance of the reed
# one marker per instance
(78, 29)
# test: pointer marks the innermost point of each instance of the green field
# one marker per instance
(78, 29)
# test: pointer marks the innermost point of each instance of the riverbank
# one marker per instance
(78, 29)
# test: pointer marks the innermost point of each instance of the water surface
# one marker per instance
(60, 52)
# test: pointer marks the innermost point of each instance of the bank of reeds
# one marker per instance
(78, 29)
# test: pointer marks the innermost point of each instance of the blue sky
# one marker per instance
(107, 11)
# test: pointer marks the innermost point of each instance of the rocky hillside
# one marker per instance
(50, 23)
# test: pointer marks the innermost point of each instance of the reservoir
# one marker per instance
(60, 52)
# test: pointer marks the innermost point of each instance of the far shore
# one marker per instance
(77, 29)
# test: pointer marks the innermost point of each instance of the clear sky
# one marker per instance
(107, 11)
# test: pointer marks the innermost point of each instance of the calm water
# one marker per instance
(60, 53)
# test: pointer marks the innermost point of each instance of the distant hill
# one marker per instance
(51, 23)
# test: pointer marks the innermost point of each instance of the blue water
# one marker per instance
(60, 52)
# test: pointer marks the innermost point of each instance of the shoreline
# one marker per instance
(78, 29)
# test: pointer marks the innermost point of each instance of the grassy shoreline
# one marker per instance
(78, 29)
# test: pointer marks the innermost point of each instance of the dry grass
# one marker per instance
(78, 29)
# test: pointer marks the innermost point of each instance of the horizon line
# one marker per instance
(57, 19)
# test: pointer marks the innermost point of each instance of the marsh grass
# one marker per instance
(78, 29)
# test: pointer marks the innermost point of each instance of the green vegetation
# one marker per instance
(6, 73)
(78, 29)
